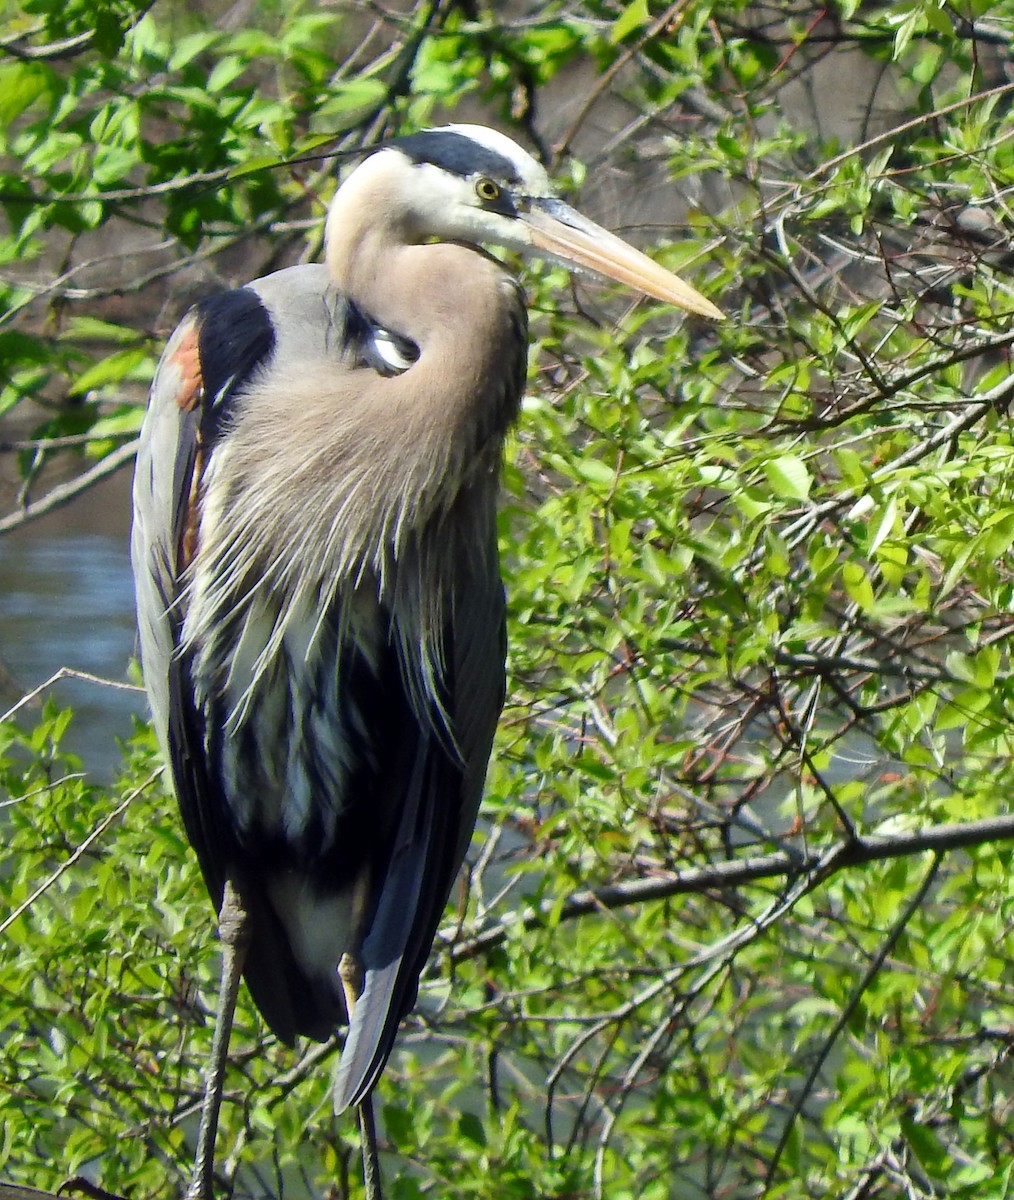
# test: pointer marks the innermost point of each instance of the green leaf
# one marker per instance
(113, 369)
(21, 86)
(857, 585)
(932, 1155)
(593, 470)
(471, 1128)
(262, 162)
(83, 327)
(634, 16)
(347, 101)
(881, 524)
(788, 476)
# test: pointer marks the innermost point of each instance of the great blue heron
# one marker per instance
(320, 606)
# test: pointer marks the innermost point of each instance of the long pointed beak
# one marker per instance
(572, 239)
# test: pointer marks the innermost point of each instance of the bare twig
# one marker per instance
(871, 972)
(852, 852)
(65, 492)
(79, 850)
(67, 673)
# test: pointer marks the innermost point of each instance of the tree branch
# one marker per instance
(821, 864)
(871, 972)
(65, 492)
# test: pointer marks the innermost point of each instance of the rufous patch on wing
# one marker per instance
(192, 522)
(186, 358)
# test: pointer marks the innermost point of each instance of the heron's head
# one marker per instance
(467, 183)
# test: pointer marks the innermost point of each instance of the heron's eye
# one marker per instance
(487, 190)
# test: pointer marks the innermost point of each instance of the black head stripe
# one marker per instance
(459, 154)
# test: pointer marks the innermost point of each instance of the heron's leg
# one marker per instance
(234, 933)
(350, 974)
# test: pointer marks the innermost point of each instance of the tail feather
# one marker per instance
(404, 920)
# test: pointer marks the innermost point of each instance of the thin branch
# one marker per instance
(79, 850)
(68, 47)
(852, 852)
(659, 25)
(67, 673)
(67, 442)
(965, 419)
(897, 131)
(65, 492)
(846, 1013)
(140, 192)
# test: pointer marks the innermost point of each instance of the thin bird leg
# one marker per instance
(234, 934)
(351, 976)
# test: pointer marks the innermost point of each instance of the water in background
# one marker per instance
(67, 600)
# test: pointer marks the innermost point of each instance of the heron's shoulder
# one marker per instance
(292, 289)
(307, 316)
(235, 335)
(215, 349)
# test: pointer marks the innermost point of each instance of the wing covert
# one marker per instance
(215, 350)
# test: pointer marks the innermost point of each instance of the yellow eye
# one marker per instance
(487, 190)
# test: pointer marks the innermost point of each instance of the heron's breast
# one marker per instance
(279, 683)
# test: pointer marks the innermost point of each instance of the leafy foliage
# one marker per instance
(760, 585)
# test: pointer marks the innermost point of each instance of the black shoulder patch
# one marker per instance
(235, 338)
(457, 153)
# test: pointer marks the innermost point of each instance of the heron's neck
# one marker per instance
(406, 287)
(461, 310)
